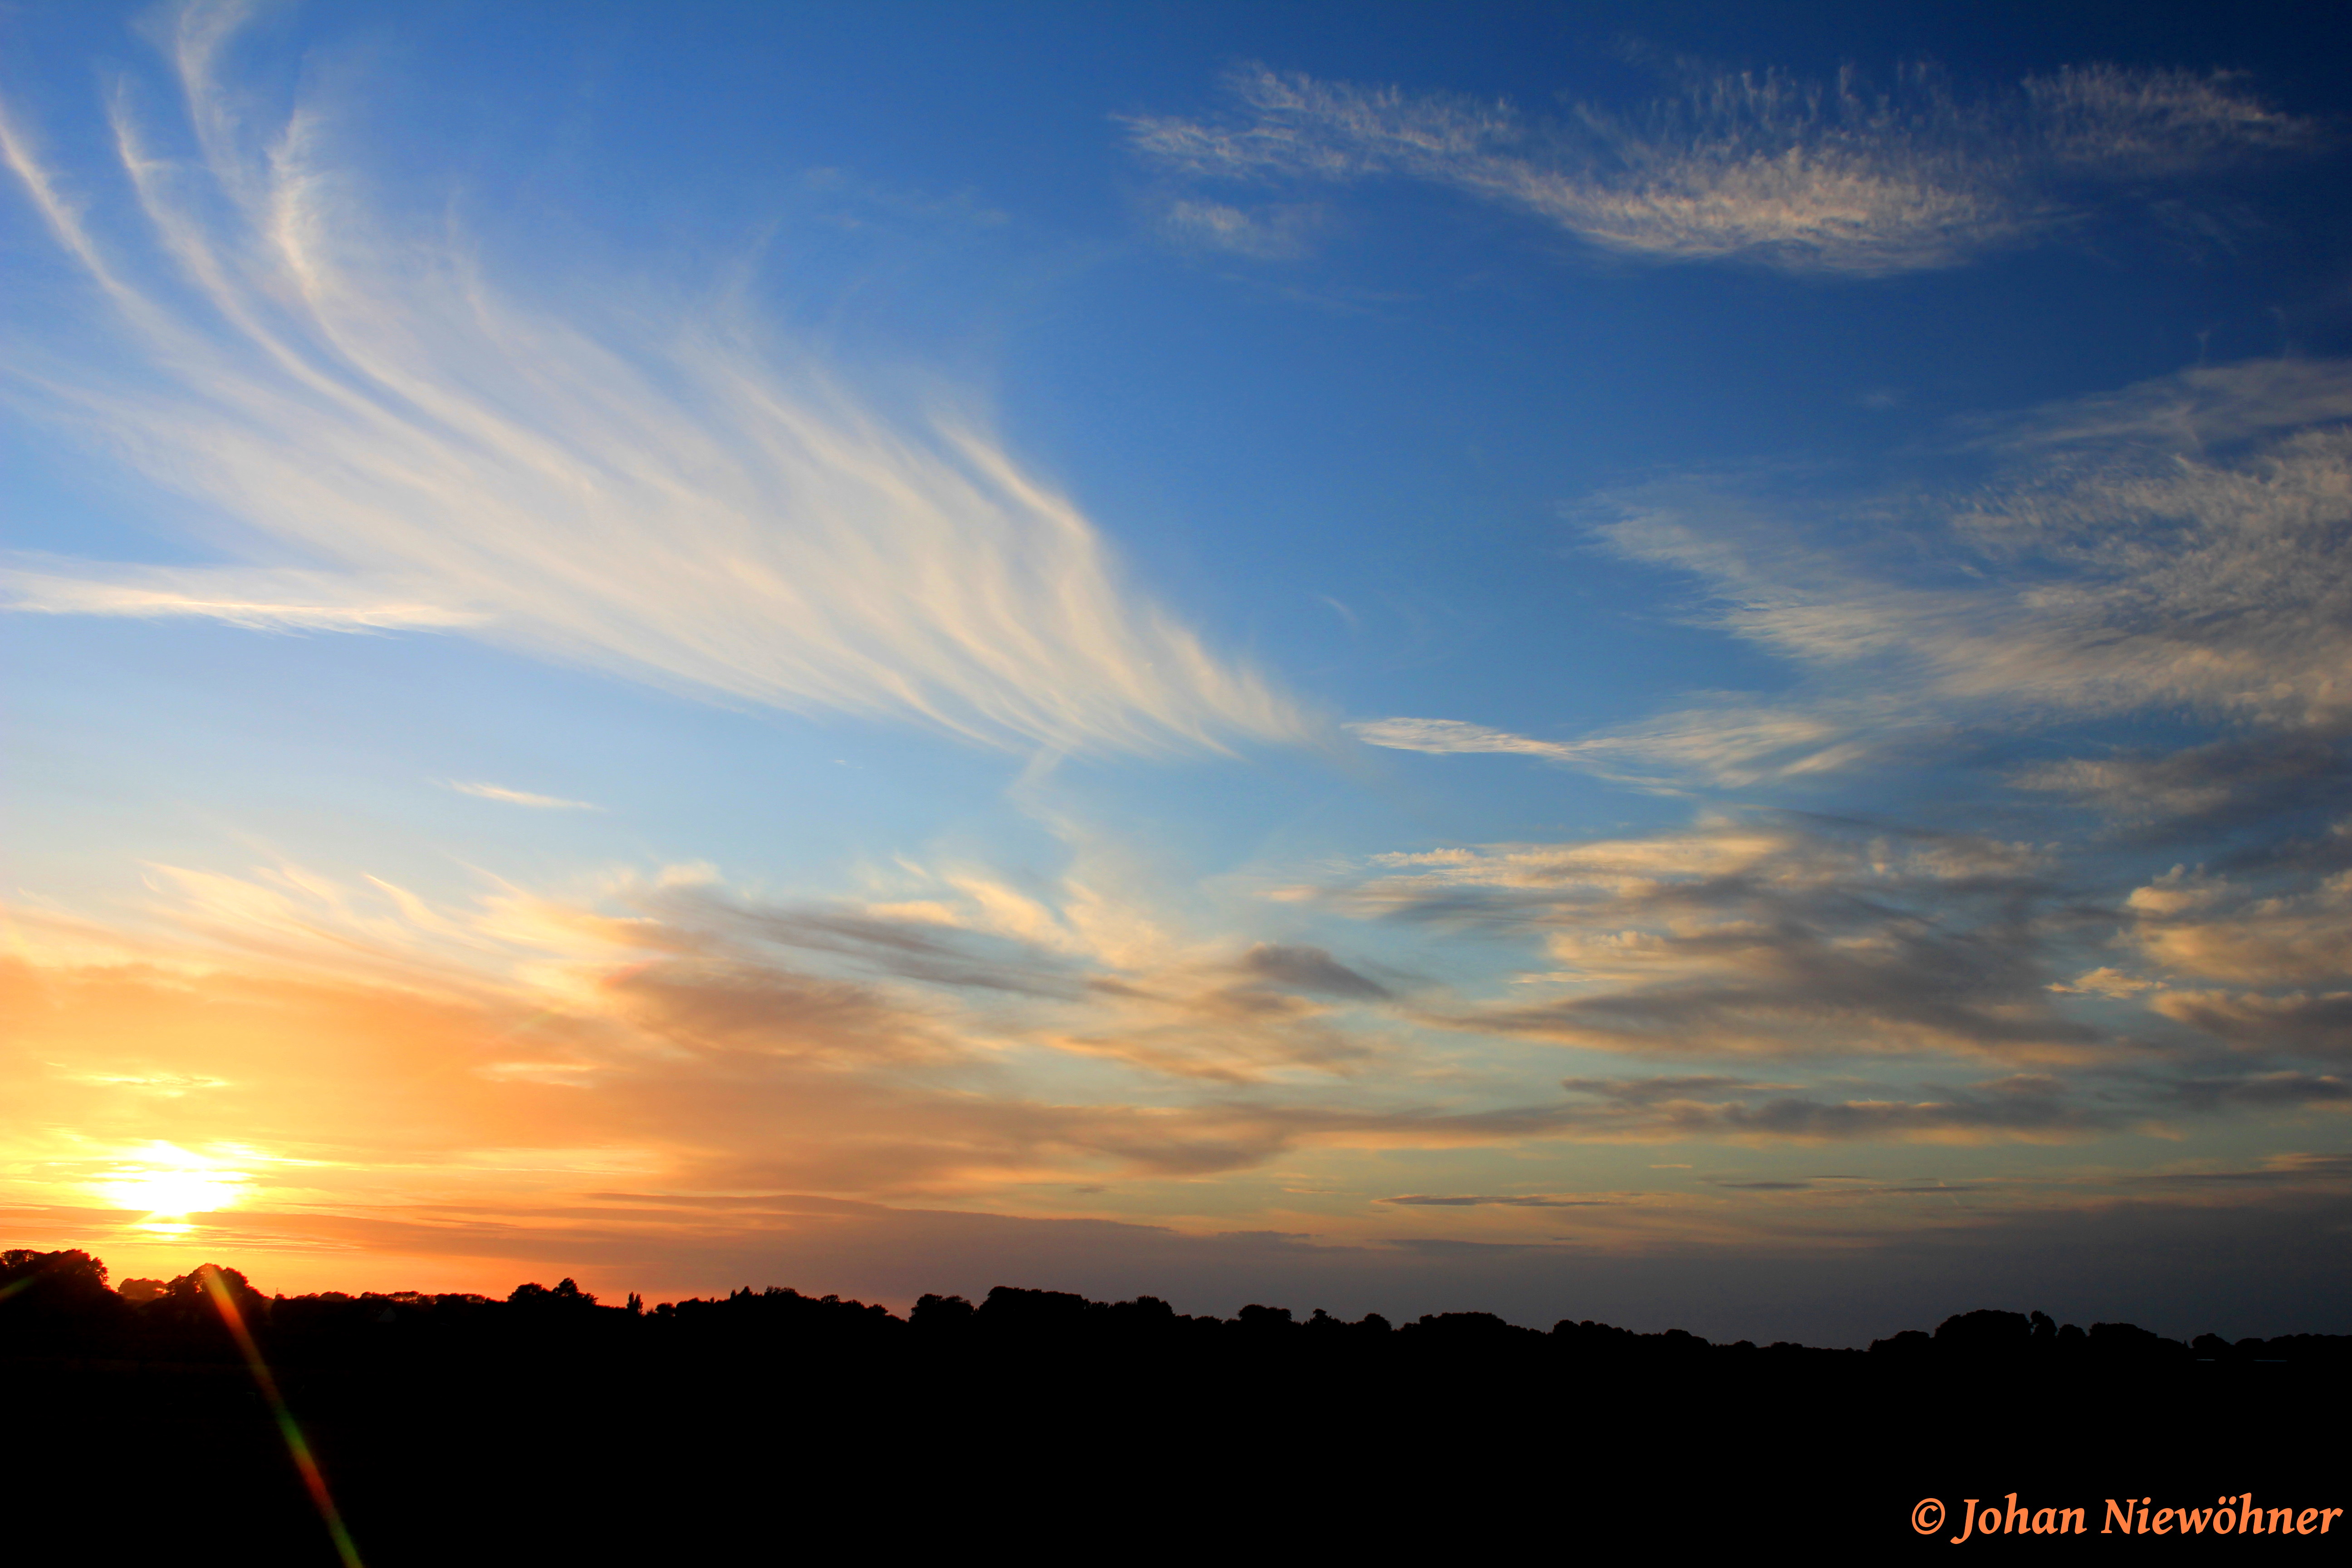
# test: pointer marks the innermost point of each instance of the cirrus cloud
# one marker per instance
(1833, 176)
(688, 503)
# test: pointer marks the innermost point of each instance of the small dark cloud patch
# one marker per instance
(2299, 1022)
(727, 1006)
(906, 949)
(2278, 1088)
(1522, 1201)
(2165, 797)
(1794, 1116)
(1642, 1090)
(2022, 1105)
(1861, 1186)
(772, 1203)
(1781, 935)
(2285, 1170)
(1311, 970)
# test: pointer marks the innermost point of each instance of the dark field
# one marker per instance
(764, 1425)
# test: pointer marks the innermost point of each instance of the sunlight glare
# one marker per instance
(169, 1193)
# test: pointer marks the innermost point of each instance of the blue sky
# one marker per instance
(1681, 663)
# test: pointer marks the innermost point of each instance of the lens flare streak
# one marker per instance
(298, 1446)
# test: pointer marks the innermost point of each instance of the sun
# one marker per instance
(172, 1192)
(177, 1190)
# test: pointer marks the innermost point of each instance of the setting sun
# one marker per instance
(173, 1192)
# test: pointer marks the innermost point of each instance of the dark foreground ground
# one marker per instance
(771, 1427)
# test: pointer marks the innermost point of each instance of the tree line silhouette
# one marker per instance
(61, 1300)
(551, 1426)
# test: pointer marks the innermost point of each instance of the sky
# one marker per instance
(1680, 664)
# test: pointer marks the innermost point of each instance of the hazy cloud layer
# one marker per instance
(1504, 1200)
(682, 503)
(1798, 938)
(670, 1023)
(1757, 937)
(1825, 176)
(2022, 1107)
(656, 1068)
(621, 1045)
(2267, 1089)
(2298, 1024)
(381, 1042)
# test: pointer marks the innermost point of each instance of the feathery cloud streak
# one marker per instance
(2183, 545)
(1731, 742)
(1759, 938)
(522, 797)
(676, 506)
(1806, 177)
(2138, 563)
(256, 599)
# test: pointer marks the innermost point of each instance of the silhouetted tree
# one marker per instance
(1010, 1309)
(1909, 1345)
(937, 1314)
(2130, 1342)
(56, 1300)
(1464, 1329)
(566, 1294)
(1984, 1332)
(65, 1279)
(53, 1300)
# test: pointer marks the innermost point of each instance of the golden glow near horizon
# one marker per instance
(169, 1184)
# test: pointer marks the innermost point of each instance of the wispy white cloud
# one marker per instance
(688, 504)
(258, 599)
(1830, 177)
(522, 797)
(2197, 410)
(1727, 743)
(1445, 737)
(2143, 563)
(1273, 232)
